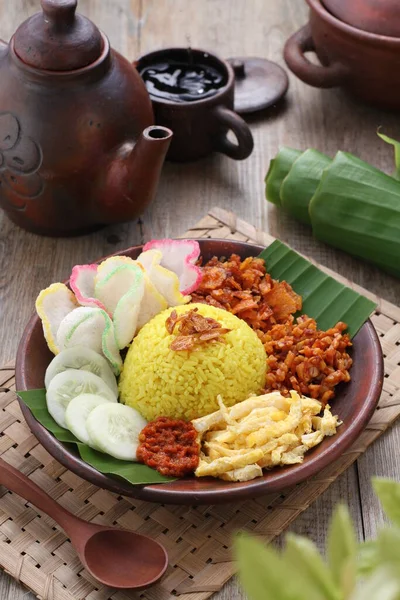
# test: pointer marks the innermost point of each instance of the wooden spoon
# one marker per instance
(116, 557)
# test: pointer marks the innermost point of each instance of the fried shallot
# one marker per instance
(193, 330)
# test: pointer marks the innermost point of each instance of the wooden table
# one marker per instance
(322, 119)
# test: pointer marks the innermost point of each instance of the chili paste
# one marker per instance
(170, 446)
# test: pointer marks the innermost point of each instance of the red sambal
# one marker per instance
(170, 446)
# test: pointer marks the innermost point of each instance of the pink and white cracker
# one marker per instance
(110, 289)
(82, 282)
(126, 315)
(165, 281)
(180, 256)
(121, 291)
(108, 265)
(53, 304)
(152, 303)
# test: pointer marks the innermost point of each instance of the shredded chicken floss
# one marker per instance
(299, 355)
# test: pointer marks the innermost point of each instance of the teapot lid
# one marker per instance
(58, 39)
(375, 16)
(259, 83)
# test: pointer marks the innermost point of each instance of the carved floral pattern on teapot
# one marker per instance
(20, 159)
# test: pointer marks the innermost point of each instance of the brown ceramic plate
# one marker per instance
(354, 403)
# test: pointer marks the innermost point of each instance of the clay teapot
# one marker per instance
(78, 148)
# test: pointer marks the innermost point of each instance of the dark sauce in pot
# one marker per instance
(182, 82)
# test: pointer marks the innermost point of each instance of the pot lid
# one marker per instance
(259, 83)
(374, 16)
(58, 39)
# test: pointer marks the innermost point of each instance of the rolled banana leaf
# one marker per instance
(301, 182)
(356, 208)
(279, 167)
(348, 203)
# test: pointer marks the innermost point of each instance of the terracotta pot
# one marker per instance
(375, 16)
(364, 63)
(201, 126)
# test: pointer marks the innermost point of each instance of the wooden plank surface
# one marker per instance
(324, 119)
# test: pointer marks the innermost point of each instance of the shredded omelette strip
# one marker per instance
(262, 432)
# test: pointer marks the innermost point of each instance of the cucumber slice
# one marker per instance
(69, 384)
(114, 429)
(84, 359)
(77, 413)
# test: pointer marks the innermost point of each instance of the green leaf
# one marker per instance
(389, 547)
(309, 569)
(135, 473)
(396, 145)
(279, 167)
(300, 183)
(356, 208)
(388, 492)
(36, 401)
(342, 550)
(381, 555)
(384, 584)
(368, 559)
(262, 572)
(324, 298)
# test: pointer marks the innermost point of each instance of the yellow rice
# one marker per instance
(158, 381)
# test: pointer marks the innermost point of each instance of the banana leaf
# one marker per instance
(396, 146)
(300, 183)
(356, 208)
(135, 473)
(324, 298)
(278, 169)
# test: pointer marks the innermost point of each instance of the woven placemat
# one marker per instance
(38, 554)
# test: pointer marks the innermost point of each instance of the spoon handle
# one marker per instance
(27, 489)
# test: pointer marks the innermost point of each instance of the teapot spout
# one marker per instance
(132, 177)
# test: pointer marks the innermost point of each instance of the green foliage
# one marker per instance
(342, 550)
(262, 571)
(383, 584)
(309, 569)
(388, 492)
(368, 557)
(353, 571)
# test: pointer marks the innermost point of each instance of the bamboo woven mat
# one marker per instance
(36, 552)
